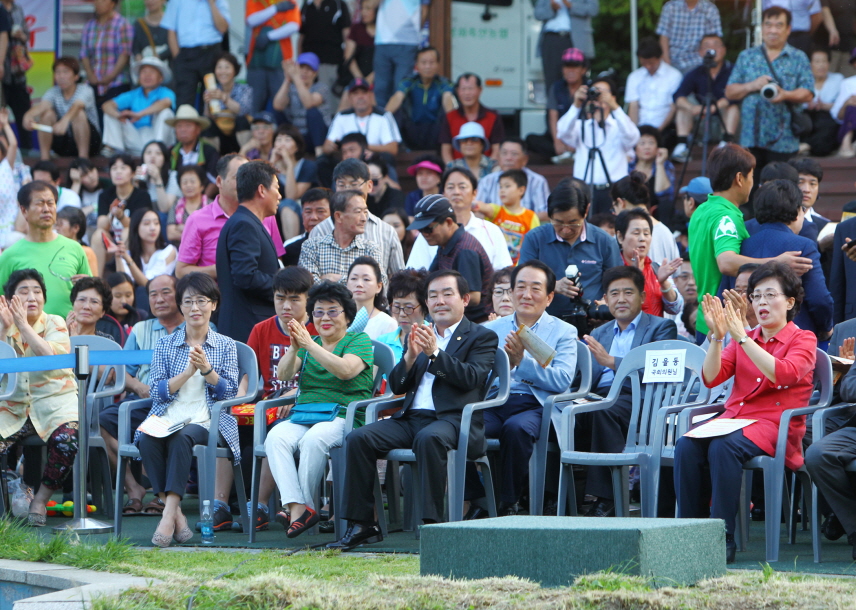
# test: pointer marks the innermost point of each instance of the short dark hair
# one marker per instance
(724, 163)
(149, 283)
(382, 165)
(779, 170)
(536, 264)
(200, 283)
(789, 281)
(633, 188)
(225, 161)
(97, 284)
(518, 176)
(294, 133)
(623, 220)
(747, 267)
(335, 293)
(193, 169)
(649, 48)
(340, 199)
(25, 194)
(775, 11)
(710, 35)
(464, 171)
(623, 272)
(807, 166)
(817, 49)
(75, 217)
(16, 277)
(686, 314)
(605, 218)
(231, 59)
(69, 62)
(566, 196)
(316, 194)
(126, 159)
(351, 168)
(292, 280)
(406, 282)
(118, 278)
(47, 166)
(467, 76)
(428, 50)
(380, 299)
(777, 201)
(251, 175)
(503, 275)
(609, 81)
(463, 285)
(516, 140)
(650, 130)
(355, 137)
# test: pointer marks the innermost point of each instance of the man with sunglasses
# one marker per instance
(434, 217)
(60, 260)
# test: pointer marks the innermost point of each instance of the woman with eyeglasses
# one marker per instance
(44, 403)
(407, 291)
(192, 369)
(335, 369)
(501, 294)
(364, 282)
(91, 301)
(772, 367)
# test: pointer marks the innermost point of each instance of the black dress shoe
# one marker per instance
(832, 528)
(601, 508)
(357, 534)
(507, 509)
(730, 548)
(551, 508)
(475, 512)
(327, 527)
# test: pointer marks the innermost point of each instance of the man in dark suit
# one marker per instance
(606, 431)
(246, 257)
(443, 368)
(843, 276)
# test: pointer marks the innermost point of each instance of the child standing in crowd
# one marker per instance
(8, 190)
(514, 220)
(71, 223)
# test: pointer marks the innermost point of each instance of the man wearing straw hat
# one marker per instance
(189, 149)
(141, 115)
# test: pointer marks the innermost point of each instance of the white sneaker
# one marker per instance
(680, 154)
(563, 159)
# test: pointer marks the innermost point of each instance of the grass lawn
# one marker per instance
(274, 580)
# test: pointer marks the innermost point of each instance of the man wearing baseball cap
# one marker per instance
(305, 100)
(458, 250)
(377, 125)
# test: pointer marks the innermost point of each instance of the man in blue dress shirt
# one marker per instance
(517, 423)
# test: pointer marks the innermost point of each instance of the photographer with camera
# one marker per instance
(694, 88)
(772, 80)
(603, 139)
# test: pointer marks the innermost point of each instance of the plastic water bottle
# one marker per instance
(207, 523)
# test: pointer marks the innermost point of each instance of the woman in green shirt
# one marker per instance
(335, 368)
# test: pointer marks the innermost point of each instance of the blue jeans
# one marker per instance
(265, 84)
(392, 62)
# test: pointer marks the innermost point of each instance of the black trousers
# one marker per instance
(603, 432)
(188, 69)
(418, 136)
(420, 429)
(18, 99)
(108, 95)
(823, 138)
(724, 457)
(553, 45)
(825, 462)
(167, 460)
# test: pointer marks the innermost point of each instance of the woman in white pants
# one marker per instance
(335, 369)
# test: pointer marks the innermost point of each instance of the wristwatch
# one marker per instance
(434, 355)
(743, 340)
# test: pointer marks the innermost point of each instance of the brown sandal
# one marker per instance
(154, 508)
(134, 506)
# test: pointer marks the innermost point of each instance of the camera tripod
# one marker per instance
(599, 203)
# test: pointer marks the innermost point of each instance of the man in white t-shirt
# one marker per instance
(459, 186)
(47, 171)
(377, 126)
(650, 88)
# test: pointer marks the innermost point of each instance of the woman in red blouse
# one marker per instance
(633, 229)
(773, 367)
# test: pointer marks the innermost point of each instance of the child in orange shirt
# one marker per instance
(514, 220)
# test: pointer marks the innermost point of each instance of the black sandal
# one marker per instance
(307, 520)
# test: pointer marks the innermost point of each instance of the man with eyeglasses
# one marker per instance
(517, 423)
(353, 174)
(60, 260)
(457, 250)
(570, 240)
(460, 186)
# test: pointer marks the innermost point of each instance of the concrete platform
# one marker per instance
(555, 550)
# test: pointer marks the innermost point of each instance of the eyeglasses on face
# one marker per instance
(330, 313)
(84, 300)
(345, 185)
(199, 302)
(406, 309)
(501, 292)
(429, 229)
(767, 296)
(566, 225)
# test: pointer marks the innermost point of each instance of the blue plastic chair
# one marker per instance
(651, 430)
(384, 360)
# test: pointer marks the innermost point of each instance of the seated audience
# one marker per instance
(517, 423)
(334, 368)
(810, 176)
(47, 171)
(606, 431)
(605, 222)
(376, 124)
(468, 89)
(407, 292)
(651, 86)
(514, 220)
(652, 160)
(631, 192)
(784, 366)
(44, 398)
(420, 101)
(472, 145)
(71, 223)
(180, 391)
(146, 254)
(140, 115)
(155, 176)
(843, 112)
(123, 310)
(91, 302)
(513, 154)
(260, 146)
(69, 108)
(305, 100)
(363, 280)
(397, 218)
(824, 128)
(427, 170)
(190, 149)
(298, 173)
(560, 98)
(383, 195)
(235, 102)
(315, 208)
(501, 291)
(447, 365)
(83, 179)
(633, 230)
(192, 181)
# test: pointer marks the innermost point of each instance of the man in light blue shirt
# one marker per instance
(606, 431)
(517, 423)
(196, 29)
